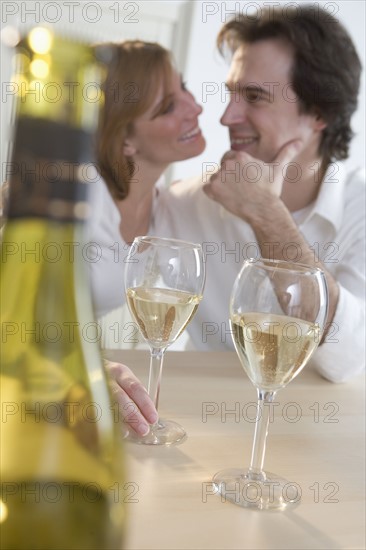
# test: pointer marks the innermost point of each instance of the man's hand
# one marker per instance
(135, 405)
(244, 183)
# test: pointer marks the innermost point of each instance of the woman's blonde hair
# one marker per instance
(135, 74)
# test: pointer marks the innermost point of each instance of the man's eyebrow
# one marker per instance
(250, 88)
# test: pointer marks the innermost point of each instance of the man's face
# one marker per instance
(263, 112)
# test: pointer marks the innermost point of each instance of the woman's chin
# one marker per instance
(196, 148)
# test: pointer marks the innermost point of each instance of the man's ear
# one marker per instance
(128, 149)
(319, 122)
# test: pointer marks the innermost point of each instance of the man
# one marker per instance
(281, 191)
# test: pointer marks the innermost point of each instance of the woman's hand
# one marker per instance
(135, 405)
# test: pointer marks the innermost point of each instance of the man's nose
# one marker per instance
(235, 112)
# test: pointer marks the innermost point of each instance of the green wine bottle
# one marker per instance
(60, 456)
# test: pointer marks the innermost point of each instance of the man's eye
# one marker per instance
(254, 96)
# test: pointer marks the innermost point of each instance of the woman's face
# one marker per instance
(168, 131)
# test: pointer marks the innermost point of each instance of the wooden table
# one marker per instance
(317, 440)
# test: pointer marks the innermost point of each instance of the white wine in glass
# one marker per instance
(164, 282)
(278, 311)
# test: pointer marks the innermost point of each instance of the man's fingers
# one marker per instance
(207, 188)
(229, 155)
(288, 152)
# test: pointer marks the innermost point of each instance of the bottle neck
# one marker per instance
(56, 123)
(48, 179)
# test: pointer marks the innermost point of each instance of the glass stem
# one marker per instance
(264, 408)
(156, 367)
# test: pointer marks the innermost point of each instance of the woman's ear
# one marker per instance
(128, 149)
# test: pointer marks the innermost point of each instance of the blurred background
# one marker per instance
(189, 29)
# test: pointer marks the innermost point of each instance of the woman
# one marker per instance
(149, 120)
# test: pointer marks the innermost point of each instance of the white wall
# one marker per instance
(107, 20)
(194, 46)
(206, 69)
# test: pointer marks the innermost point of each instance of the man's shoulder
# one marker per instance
(356, 177)
(343, 183)
(355, 187)
(354, 201)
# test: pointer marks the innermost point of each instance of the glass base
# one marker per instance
(164, 432)
(270, 492)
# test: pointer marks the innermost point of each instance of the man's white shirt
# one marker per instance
(334, 227)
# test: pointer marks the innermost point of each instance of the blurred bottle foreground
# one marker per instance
(61, 467)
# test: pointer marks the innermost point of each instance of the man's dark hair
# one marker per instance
(326, 70)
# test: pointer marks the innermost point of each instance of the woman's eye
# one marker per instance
(169, 108)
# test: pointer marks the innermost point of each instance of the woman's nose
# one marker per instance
(192, 106)
(198, 107)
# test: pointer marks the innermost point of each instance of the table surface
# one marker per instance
(316, 440)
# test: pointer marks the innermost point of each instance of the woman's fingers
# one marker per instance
(135, 405)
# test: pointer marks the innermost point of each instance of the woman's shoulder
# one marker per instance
(104, 216)
(182, 189)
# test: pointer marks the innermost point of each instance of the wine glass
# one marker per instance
(164, 282)
(278, 311)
